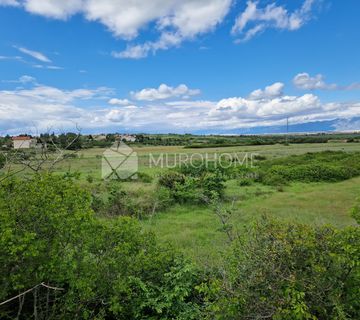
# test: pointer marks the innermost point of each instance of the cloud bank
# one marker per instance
(43, 107)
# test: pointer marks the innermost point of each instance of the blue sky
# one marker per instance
(204, 66)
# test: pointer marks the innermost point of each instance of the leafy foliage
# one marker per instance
(326, 166)
(288, 271)
(193, 184)
(107, 269)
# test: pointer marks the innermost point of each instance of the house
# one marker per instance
(23, 142)
(99, 137)
(127, 137)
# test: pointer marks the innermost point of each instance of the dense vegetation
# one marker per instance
(78, 266)
(311, 167)
(75, 249)
(49, 236)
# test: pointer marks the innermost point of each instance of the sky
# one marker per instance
(179, 66)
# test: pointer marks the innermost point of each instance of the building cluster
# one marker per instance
(119, 137)
(27, 142)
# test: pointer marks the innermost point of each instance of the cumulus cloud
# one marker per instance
(53, 8)
(174, 20)
(285, 105)
(254, 20)
(272, 91)
(185, 20)
(306, 82)
(164, 92)
(44, 106)
(35, 54)
(121, 102)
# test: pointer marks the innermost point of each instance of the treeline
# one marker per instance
(58, 261)
(76, 141)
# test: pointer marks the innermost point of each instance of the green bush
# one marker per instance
(193, 189)
(289, 271)
(105, 269)
(169, 179)
(311, 167)
(213, 183)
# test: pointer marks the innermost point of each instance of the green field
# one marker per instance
(196, 229)
(89, 160)
(256, 226)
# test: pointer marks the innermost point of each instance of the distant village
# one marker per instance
(76, 141)
(32, 142)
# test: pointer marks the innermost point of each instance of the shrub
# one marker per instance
(193, 189)
(170, 179)
(213, 183)
(289, 271)
(311, 167)
(105, 269)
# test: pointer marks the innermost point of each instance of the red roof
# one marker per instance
(21, 138)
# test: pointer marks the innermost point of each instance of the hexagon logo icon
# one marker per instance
(119, 162)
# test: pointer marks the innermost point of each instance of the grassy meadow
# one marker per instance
(185, 234)
(195, 229)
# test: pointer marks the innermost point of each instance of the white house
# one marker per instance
(127, 137)
(23, 142)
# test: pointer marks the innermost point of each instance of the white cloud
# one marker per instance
(166, 41)
(43, 106)
(164, 92)
(120, 102)
(13, 3)
(35, 54)
(11, 58)
(174, 20)
(272, 106)
(23, 79)
(54, 8)
(26, 79)
(41, 66)
(272, 91)
(254, 20)
(306, 82)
